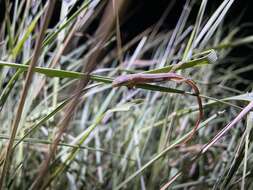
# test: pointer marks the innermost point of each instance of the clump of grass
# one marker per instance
(70, 129)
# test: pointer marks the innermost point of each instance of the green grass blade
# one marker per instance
(208, 57)
(5, 93)
(16, 50)
(54, 34)
(76, 75)
(42, 121)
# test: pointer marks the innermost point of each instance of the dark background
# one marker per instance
(143, 13)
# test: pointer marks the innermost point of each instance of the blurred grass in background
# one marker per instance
(120, 137)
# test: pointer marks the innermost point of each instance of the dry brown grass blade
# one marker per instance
(78, 26)
(168, 184)
(101, 35)
(118, 36)
(239, 117)
(244, 112)
(35, 57)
